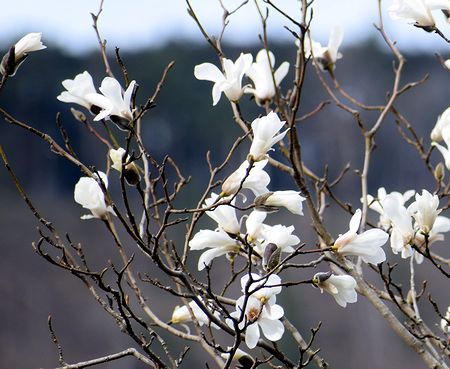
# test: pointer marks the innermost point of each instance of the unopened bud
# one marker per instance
(78, 115)
(8, 65)
(321, 277)
(439, 172)
(272, 256)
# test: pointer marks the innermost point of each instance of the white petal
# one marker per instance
(272, 329)
(252, 335)
(208, 72)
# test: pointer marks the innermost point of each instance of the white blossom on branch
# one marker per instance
(228, 82)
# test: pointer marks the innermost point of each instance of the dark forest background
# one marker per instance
(185, 124)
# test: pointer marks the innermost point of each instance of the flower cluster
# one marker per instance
(112, 103)
(415, 226)
(265, 80)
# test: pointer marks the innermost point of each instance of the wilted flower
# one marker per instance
(28, 43)
(417, 10)
(326, 56)
(223, 215)
(78, 90)
(271, 201)
(341, 287)
(256, 180)
(219, 243)
(182, 314)
(131, 172)
(264, 82)
(89, 194)
(265, 135)
(113, 103)
(367, 245)
(441, 131)
(228, 82)
(260, 309)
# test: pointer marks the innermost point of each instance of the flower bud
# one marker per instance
(439, 172)
(271, 258)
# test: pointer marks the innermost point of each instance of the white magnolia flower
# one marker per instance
(131, 172)
(425, 211)
(326, 56)
(244, 358)
(375, 203)
(417, 10)
(28, 43)
(441, 131)
(228, 82)
(341, 287)
(264, 82)
(255, 226)
(261, 310)
(265, 135)
(367, 245)
(281, 236)
(444, 151)
(89, 194)
(78, 89)
(447, 63)
(441, 225)
(182, 314)
(218, 242)
(223, 215)
(444, 322)
(291, 200)
(257, 180)
(402, 233)
(113, 103)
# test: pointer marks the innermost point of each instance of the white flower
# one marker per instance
(367, 245)
(28, 43)
(402, 233)
(326, 56)
(417, 10)
(425, 211)
(116, 158)
(341, 287)
(89, 194)
(78, 90)
(444, 322)
(244, 359)
(255, 226)
(375, 203)
(182, 314)
(219, 243)
(265, 135)
(114, 104)
(264, 82)
(256, 181)
(441, 225)
(291, 200)
(131, 172)
(261, 310)
(447, 63)
(228, 82)
(441, 131)
(223, 215)
(445, 153)
(281, 236)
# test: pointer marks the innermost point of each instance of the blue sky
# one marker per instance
(135, 24)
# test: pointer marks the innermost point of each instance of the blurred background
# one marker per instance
(150, 34)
